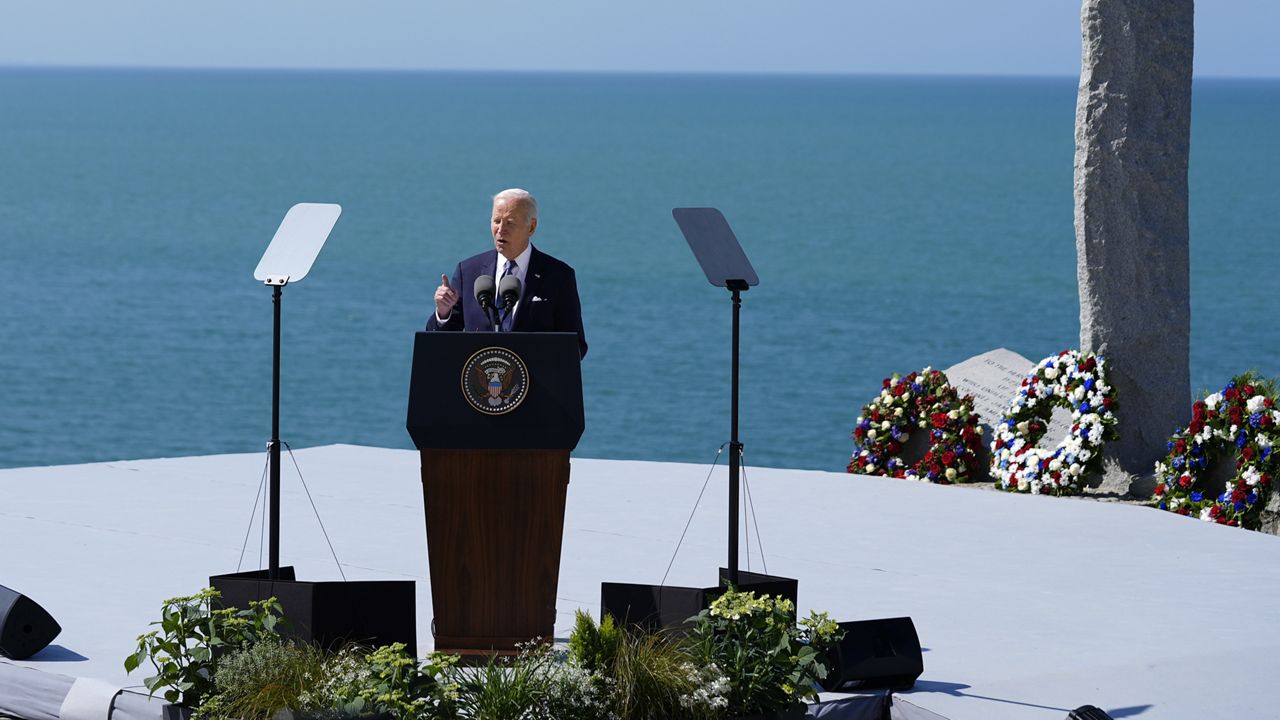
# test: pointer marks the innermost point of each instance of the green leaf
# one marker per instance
(132, 662)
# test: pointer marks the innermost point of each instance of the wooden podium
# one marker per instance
(494, 416)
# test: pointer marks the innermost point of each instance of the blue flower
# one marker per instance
(1255, 419)
(1084, 433)
(1253, 498)
(1197, 496)
(1240, 507)
(1265, 452)
(1169, 446)
(1240, 441)
(1084, 407)
(916, 387)
(937, 434)
(1224, 497)
(1088, 384)
(1163, 506)
(1178, 462)
(891, 465)
(1229, 386)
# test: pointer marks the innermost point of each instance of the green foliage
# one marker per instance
(504, 689)
(192, 635)
(396, 682)
(770, 661)
(656, 677)
(256, 682)
(592, 646)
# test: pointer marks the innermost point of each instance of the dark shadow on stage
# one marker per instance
(57, 653)
(1130, 711)
(955, 688)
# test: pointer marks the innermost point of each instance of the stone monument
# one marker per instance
(1133, 122)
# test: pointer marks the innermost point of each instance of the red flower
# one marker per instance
(1215, 511)
(859, 433)
(1160, 489)
(1264, 421)
(1197, 410)
(948, 458)
(1091, 364)
(939, 419)
(1266, 479)
(1247, 452)
(1180, 446)
(899, 389)
(1238, 495)
(886, 383)
(1248, 390)
(894, 447)
(1267, 402)
(936, 469)
(1184, 481)
(1195, 427)
(999, 443)
(1183, 510)
(1231, 394)
(1237, 415)
(1106, 403)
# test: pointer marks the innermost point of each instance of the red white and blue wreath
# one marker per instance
(1241, 422)
(927, 402)
(1072, 380)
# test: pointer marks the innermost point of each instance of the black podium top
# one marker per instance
(477, 390)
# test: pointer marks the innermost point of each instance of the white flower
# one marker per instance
(1078, 393)
(884, 425)
(951, 473)
(1055, 464)
(871, 434)
(1074, 469)
(870, 468)
(1051, 372)
(1204, 515)
(1212, 401)
(1250, 476)
(1255, 404)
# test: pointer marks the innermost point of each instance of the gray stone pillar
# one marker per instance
(1133, 128)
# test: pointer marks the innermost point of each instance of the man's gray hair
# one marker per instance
(516, 195)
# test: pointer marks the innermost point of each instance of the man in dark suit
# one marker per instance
(549, 289)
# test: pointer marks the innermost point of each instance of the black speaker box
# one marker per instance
(655, 607)
(25, 627)
(875, 653)
(330, 614)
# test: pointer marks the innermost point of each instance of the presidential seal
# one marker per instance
(495, 381)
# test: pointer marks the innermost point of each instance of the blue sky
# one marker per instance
(989, 37)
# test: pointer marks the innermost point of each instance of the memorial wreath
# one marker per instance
(928, 402)
(1071, 380)
(1242, 422)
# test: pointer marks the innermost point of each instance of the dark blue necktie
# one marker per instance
(508, 269)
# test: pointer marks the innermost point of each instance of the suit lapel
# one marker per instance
(532, 286)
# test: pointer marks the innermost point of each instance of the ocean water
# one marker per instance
(894, 223)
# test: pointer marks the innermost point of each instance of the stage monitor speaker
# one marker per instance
(1088, 712)
(875, 653)
(25, 627)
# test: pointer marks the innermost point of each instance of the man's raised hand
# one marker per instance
(446, 298)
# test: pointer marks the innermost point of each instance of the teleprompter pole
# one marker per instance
(274, 542)
(735, 447)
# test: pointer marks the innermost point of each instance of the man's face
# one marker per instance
(511, 228)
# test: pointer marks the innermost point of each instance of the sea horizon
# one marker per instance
(896, 222)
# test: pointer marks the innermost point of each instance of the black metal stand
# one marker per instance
(735, 447)
(273, 553)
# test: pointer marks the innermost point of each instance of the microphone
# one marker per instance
(509, 291)
(483, 291)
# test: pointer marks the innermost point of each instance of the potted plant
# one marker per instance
(191, 635)
(771, 662)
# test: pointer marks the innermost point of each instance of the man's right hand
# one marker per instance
(446, 298)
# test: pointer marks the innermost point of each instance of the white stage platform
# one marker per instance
(1028, 606)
